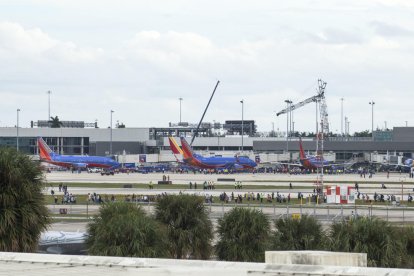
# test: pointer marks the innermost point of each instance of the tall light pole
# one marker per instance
(17, 130)
(372, 117)
(48, 93)
(292, 126)
(110, 143)
(342, 116)
(346, 126)
(181, 99)
(242, 131)
(288, 102)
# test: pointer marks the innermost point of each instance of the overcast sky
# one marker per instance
(139, 57)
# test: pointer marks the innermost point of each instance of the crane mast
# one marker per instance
(320, 137)
(321, 134)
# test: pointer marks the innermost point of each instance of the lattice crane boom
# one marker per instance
(315, 98)
(319, 98)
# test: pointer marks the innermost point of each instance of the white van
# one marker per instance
(94, 170)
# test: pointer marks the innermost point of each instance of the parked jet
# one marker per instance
(408, 163)
(214, 162)
(311, 161)
(58, 242)
(73, 161)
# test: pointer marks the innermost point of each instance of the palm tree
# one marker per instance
(189, 228)
(123, 229)
(376, 237)
(243, 236)
(55, 122)
(407, 236)
(298, 234)
(23, 214)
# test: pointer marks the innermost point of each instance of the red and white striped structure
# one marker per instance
(340, 194)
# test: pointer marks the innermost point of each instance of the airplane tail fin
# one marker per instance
(187, 151)
(45, 152)
(301, 151)
(174, 146)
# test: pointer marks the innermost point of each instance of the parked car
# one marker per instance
(107, 172)
(94, 170)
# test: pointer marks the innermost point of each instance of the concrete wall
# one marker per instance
(22, 264)
(323, 258)
(94, 134)
(339, 146)
(403, 134)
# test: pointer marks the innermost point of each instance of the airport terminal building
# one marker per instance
(81, 140)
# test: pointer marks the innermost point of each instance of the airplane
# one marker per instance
(215, 162)
(311, 161)
(408, 163)
(73, 161)
(59, 242)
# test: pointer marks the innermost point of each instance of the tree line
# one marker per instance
(181, 229)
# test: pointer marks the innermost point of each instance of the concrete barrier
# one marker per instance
(316, 258)
(226, 179)
(22, 264)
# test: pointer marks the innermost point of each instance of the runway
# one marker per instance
(246, 178)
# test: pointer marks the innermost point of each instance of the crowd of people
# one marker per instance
(254, 197)
(67, 198)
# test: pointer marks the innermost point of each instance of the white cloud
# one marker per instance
(17, 41)
(140, 61)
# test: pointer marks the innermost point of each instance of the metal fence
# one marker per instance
(324, 213)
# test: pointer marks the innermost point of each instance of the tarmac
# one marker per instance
(246, 178)
(394, 183)
(399, 185)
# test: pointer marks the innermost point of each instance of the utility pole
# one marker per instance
(17, 130)
(48, 93)
(372, 117)
(242, 131)
(110, 142)
(288, 105)
(342, 116)
(349, 122)
(346, 122)
(181, 99)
